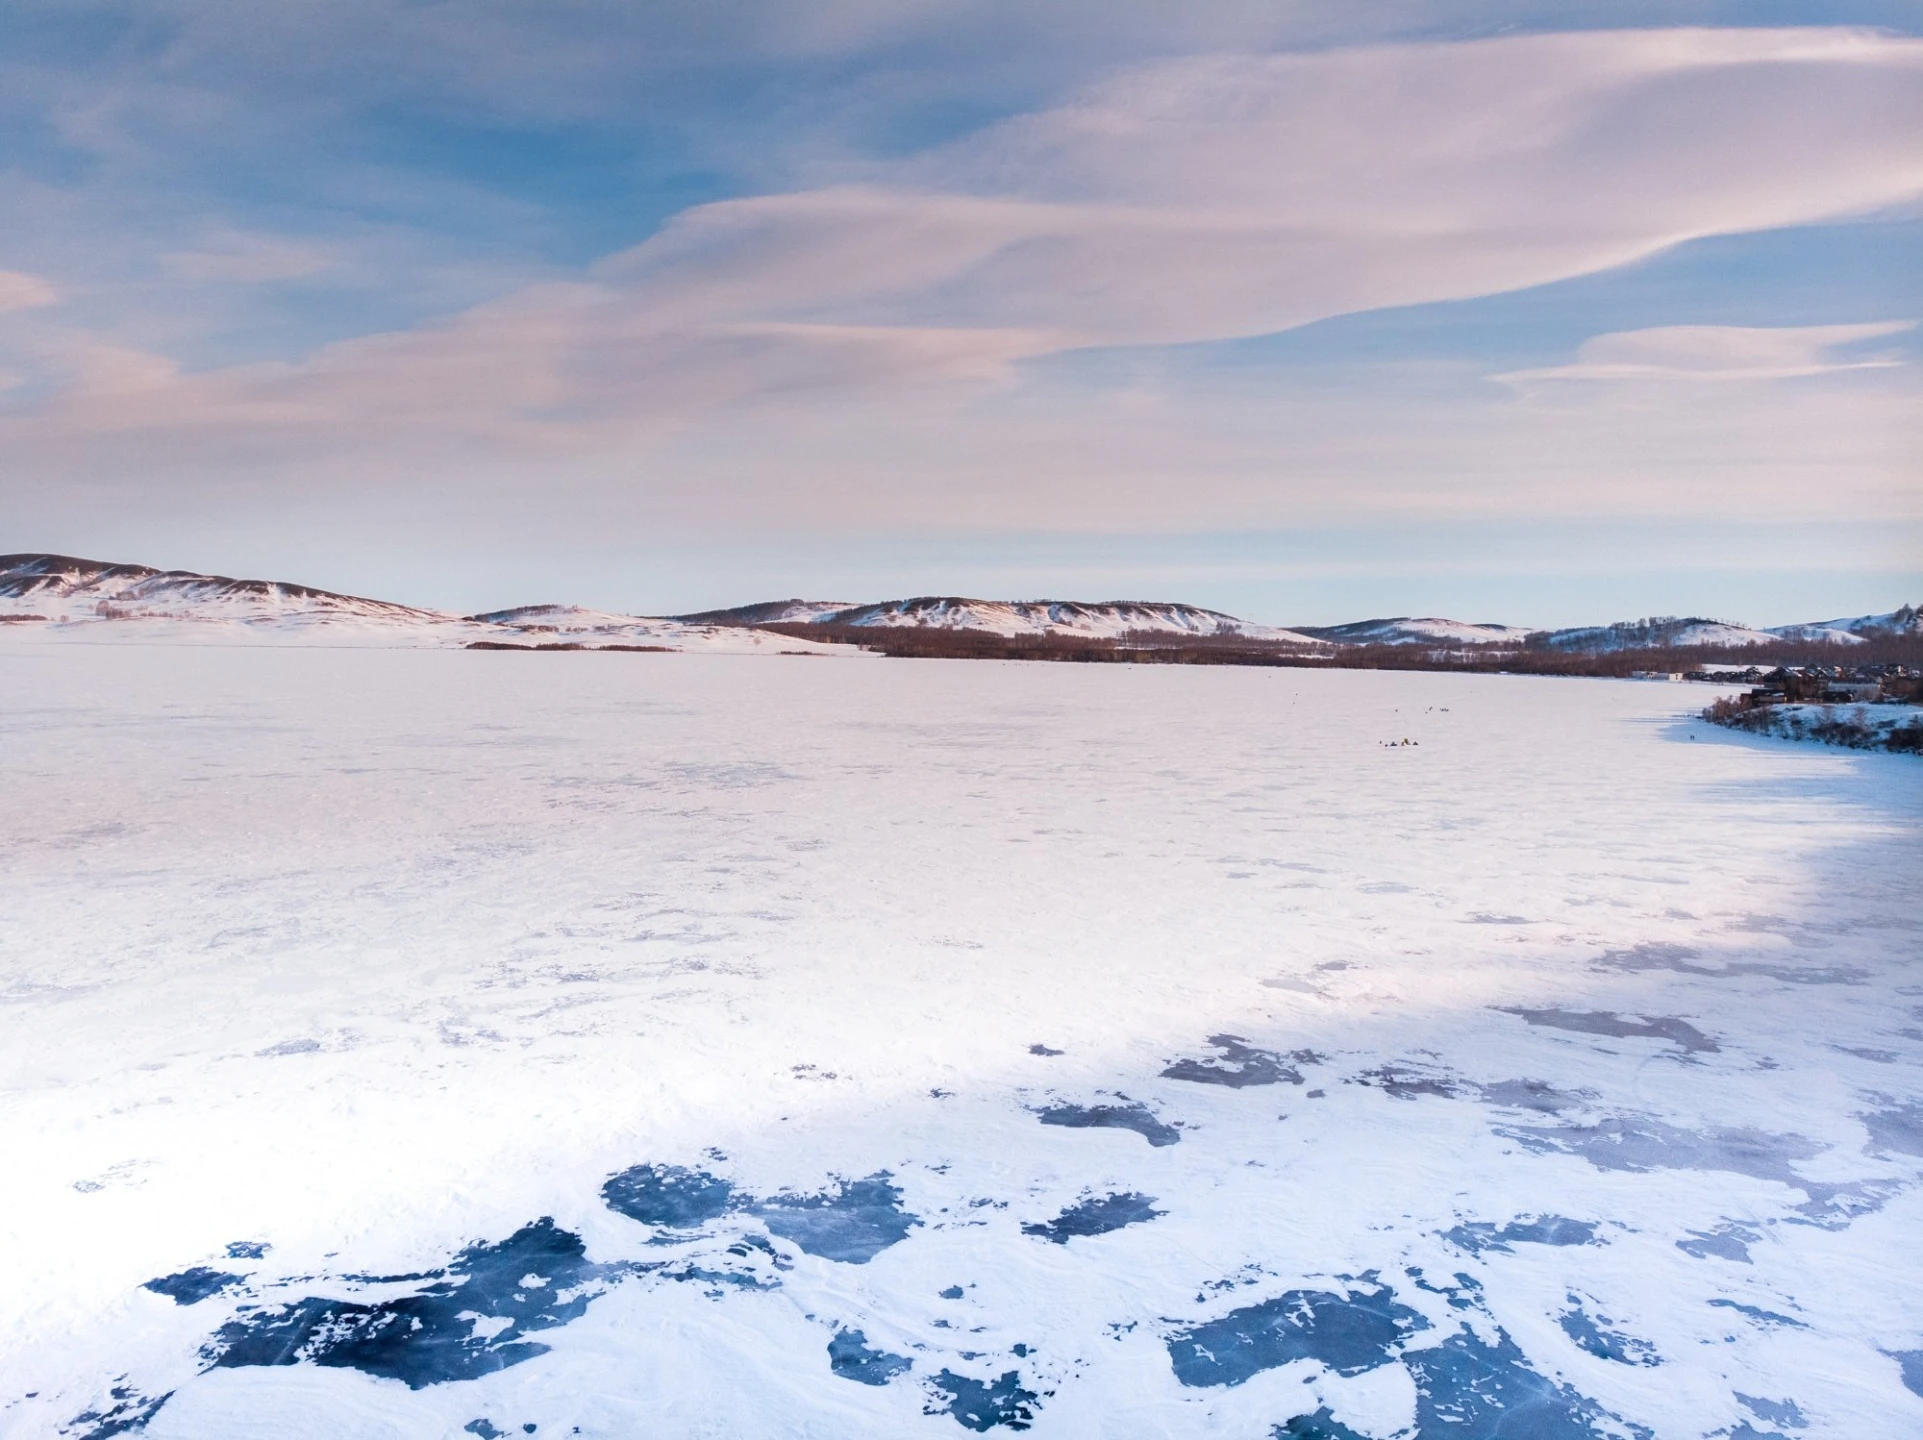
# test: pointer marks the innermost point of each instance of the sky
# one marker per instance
(1504, 310)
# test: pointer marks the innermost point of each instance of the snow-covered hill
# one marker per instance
(1106, 619)
(571, 624)
(771, 612)
(1906, 620)
(95, 600)
(1416, 630)
(1116, 618)
(1665, 632)
(63, 589)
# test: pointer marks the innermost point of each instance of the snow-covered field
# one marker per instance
(678, 1045)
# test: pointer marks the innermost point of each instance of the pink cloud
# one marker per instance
(1187, 201)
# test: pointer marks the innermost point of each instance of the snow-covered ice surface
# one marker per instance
(539, 625)
(436, 1043)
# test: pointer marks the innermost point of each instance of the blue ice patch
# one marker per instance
(1590, 1335)
(1605, 1022)
(432, 1336)
(1097, 1217)
(1728, 1241)
(190, 1287)
(1467, 1389)
(1320, 1426)
(126, 1412)
(1239, 1065)
(1348, 1333)
(1910, 1366)
(1131, 1116)
(852, 1223)
(985, 1404)
(668, 1195)
(1477, 1236)
(851, 1357)
(1758, 1315)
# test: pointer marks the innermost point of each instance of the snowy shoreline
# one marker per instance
(1897, 729)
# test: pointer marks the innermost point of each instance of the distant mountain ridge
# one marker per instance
(1103, 619)
(1662, 633)
(771, 612)
(72, 588)
(1118, 618)
(100, 598)
(1668, 632)
(1905, 620)
(1405, 630)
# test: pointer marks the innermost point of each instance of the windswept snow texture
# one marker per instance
(920, 1049)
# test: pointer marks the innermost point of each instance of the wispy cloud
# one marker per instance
(888, 350)
(1189, 201)
(1720, 352)
(19, 291)
(1237, 196)
(239, 258)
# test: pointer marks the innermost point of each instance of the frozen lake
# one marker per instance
(408, 1044)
